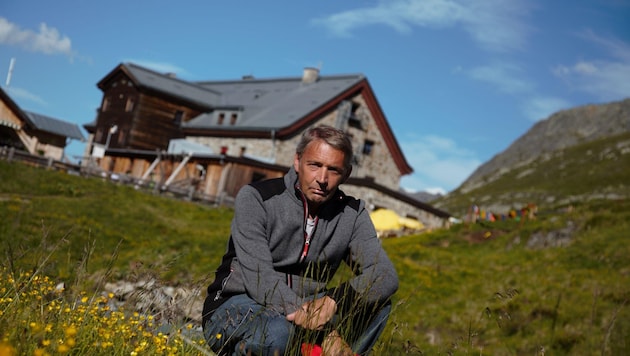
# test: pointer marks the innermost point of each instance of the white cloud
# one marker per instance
(507, 78)
(439, 163)
(539, 108)
(161, 67)
(504, 76)
(18, 93)
(494, 24)
(400, 15)
(414, 184)
(436, 190)
(606, 78)
(617, 48)
(48, 40)
(585, 68)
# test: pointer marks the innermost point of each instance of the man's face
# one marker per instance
(320, 172)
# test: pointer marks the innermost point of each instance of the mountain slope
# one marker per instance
(575, 154)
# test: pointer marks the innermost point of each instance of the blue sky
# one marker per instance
(459, 80)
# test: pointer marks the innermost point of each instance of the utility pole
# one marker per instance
(11, 65)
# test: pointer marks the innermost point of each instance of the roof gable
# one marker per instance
(384, 128)
(164, 83)
(273, 104)
(13, 106)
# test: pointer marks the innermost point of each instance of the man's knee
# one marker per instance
(275, 335)
(260, 334)
(268, 344)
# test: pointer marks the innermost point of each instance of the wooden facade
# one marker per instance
(210, 177)
(10, 127)
(143, 120)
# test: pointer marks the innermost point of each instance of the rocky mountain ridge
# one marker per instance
(561, 130)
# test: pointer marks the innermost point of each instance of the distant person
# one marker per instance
(288, 238)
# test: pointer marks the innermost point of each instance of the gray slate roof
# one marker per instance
(261, 104)
(266, 104)
(173, 86)
(55, 126)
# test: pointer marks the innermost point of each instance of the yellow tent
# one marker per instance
(412, 224)
(385, 219)
(388, 220)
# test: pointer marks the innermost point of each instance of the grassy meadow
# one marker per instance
(557, 285)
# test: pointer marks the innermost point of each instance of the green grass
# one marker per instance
(474, 289)
(136, 227)
(496, 296)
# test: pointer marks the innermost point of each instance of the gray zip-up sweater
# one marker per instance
(267, 240)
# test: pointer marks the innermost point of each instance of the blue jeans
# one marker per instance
(240, 326)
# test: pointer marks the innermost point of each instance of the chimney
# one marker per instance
(310, 75)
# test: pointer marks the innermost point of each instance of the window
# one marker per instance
(179, 116)
(221, 119)
(105, 105)
(368, 146)
(121, 137)
(233, 119)
(355, 120)
(129, 105)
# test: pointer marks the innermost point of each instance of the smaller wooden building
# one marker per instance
(34, 133)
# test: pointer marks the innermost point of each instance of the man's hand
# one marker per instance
(314, 314)
(335, 345)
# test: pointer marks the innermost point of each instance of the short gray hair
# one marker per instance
(336, 138)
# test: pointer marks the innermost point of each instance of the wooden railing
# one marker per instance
(13, 154)
(90, 169)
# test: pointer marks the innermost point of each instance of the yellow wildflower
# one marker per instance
(63, 348)
(71, 331)
(6, 349)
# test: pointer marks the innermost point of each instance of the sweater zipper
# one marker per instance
(307, 237)
(307, 243)
(223, 283)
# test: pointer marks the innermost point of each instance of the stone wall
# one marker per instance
(379, 164)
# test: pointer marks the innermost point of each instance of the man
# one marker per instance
(289, 237)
